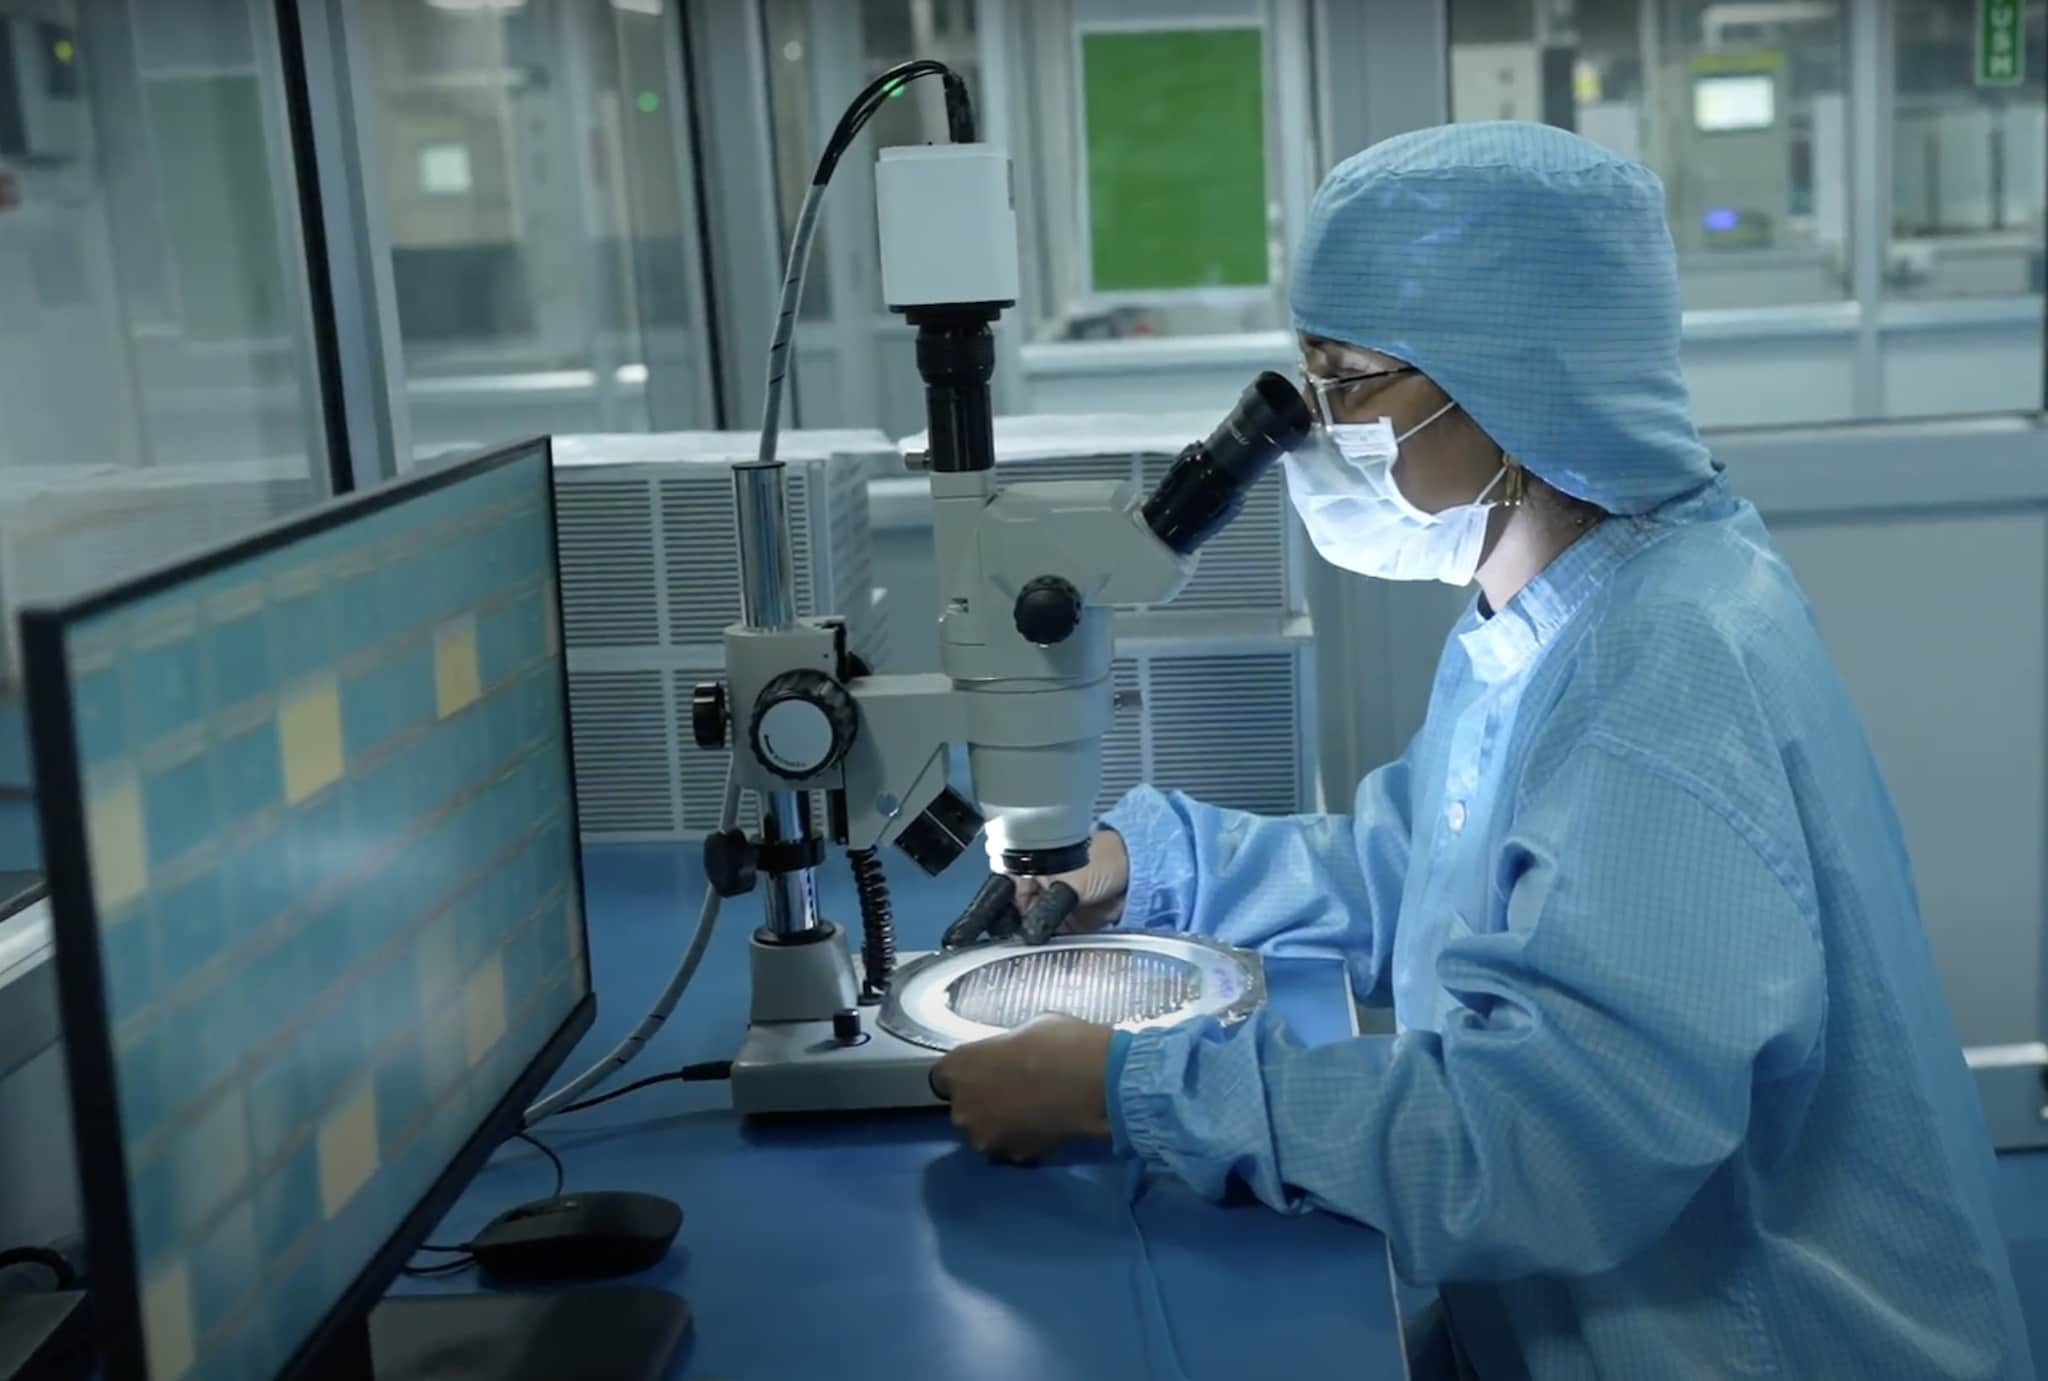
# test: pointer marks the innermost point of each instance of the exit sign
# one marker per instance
(2001, 43)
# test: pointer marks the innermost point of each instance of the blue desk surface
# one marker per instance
(878, 1246)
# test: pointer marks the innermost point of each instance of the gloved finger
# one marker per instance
(964, 931)
(985, 915)
(1052, 910)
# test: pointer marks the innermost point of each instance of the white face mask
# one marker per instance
(1342, 484)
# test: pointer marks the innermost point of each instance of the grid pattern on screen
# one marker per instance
(330, 837)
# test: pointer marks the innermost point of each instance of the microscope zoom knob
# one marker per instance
(708, 716)
(1048, 610)
(804, 721)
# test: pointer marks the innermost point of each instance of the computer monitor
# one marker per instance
(310, 829)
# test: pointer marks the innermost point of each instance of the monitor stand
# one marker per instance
(600, 1333)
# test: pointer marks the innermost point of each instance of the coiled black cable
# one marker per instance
(877, 923)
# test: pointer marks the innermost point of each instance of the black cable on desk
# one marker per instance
(464, 1258)
(446, 1268)
(561, 1175)
(51, 1261)
(708, 1072)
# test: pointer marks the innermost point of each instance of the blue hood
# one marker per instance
(1530, 273)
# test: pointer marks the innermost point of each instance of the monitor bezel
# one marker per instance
(116, 1287)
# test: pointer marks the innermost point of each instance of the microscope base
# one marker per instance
(797, 1066)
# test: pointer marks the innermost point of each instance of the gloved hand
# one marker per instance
(1100, 886)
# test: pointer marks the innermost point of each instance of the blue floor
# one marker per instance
(2023, 1208)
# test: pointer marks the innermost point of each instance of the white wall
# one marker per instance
(1939, 627)
(1746, 369)
(1940, 366)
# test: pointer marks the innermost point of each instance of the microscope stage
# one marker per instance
(1130, 979)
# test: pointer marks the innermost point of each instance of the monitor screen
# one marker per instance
(1730, 103)
(313, 864)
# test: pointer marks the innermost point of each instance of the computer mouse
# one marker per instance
(578, 1237)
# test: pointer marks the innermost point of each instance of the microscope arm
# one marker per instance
(1091, 534)
(896, 768)
(1028, 575)
(1036, 734)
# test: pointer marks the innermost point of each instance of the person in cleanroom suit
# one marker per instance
(1674, 1090)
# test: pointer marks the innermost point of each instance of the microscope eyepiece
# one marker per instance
(1207, 483)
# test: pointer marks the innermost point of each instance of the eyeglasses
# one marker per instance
(1345, 392)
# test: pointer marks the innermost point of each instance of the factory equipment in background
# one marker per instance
(1728, 158)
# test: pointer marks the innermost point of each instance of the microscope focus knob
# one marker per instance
(708, 716)
(804, 721)
(732, 863)
(846, 1027)
(1048, 610)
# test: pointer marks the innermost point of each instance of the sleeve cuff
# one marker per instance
(1112, 1077)
(1136, 1111)
(1151, 834)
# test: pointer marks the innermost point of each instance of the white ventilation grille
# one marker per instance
(1245, 565)
(1118, 468)
(853, 573)
(802, 541)
(698, 549)
(871, 641)
(619, 725)
(1123, 747)
(703, 783)
(1224, 729)
(605, 529)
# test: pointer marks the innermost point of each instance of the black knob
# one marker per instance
(846, 1026)
(804, 721)
(708, 718)
(730, 863)
(1048, 610)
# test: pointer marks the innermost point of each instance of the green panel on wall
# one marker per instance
(1176, 141)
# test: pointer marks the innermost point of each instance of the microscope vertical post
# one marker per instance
(768, 603)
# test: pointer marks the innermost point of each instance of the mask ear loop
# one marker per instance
(1425, 422)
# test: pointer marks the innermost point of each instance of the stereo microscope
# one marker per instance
(1028, 575)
